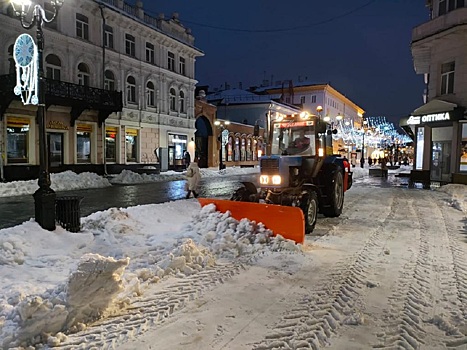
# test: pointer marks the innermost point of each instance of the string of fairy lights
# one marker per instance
(376, 132)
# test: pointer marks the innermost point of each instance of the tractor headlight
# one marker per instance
(264, 179)
(276, 180)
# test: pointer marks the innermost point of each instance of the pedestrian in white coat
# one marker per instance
(193, 176)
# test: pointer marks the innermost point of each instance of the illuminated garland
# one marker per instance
(379, 133)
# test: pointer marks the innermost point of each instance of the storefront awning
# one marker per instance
(434, 106)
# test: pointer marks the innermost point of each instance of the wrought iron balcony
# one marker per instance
(78, 97)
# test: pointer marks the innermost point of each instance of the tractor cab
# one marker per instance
(293, 138)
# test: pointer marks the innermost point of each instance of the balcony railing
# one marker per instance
(65, 94)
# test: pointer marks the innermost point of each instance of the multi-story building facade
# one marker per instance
(439, 128)
(97, 50)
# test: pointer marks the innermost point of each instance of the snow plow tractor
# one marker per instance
(299, 178)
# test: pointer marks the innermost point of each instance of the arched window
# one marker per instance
(254, 149)
(230, 149)
(53, 66)
(173, 105)
(150, 94)
(109, 80)
(248, 149)
(237, 149)
(243, 149)
(131, 89)
(182, 101)
(83, 74)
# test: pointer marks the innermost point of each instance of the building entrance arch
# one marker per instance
(202, 134)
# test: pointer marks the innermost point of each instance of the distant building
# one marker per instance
(120, 85)
(301, 96)
(439, 127)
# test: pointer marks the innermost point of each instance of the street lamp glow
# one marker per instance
(339, 117)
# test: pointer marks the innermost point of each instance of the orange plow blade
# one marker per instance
(289, 222)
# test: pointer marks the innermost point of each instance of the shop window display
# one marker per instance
(17, 134)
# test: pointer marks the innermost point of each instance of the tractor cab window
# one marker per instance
(290, 139)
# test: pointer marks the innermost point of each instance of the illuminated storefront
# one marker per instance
(440, 137)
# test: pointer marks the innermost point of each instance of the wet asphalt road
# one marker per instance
(16, 210)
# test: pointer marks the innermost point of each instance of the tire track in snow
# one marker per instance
(149, 311)
(415, 303)
(319, 313)
(458, 252)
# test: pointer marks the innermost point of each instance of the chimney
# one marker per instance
(240, 85)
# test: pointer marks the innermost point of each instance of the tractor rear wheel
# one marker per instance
(335, 196)
(310, 211)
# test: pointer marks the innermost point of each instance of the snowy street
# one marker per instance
(389, 273)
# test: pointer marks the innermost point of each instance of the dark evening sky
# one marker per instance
(361, 47)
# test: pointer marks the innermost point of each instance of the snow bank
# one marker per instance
(64, 181)
(101, 286)
(458, 195)
(89, 291)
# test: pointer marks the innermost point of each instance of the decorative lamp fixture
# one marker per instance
(339, 117)
(44, 197)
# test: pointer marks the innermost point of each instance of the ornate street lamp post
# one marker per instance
(222, 126)
(44, 197)
(362, 160)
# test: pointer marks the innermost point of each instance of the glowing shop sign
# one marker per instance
(429, 118)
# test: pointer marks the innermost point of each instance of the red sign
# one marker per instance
(293, 124)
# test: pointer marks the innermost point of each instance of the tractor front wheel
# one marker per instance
(335, 196)
(310, 211)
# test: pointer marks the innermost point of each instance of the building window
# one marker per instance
(83, 143)
(109, 81)
(130, 45)
(53, 66)
(150, 53)
(313, 99)
(109, 37)
(447, 78)
(179, 144)
(83, 74)
(131, 144)
(182, 66)
(111, 133)
(173, 97)
(446, 6)
(82, 26)
(181, 100)
(131, 89)
(302, 99)
(150, 94)
(171, 61)
(49, 12)
(287, 100)
(17, 138)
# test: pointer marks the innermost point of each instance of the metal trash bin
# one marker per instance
(67, 211)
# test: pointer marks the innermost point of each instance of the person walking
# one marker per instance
(187, 159)
(384, 168)
(193, 176)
